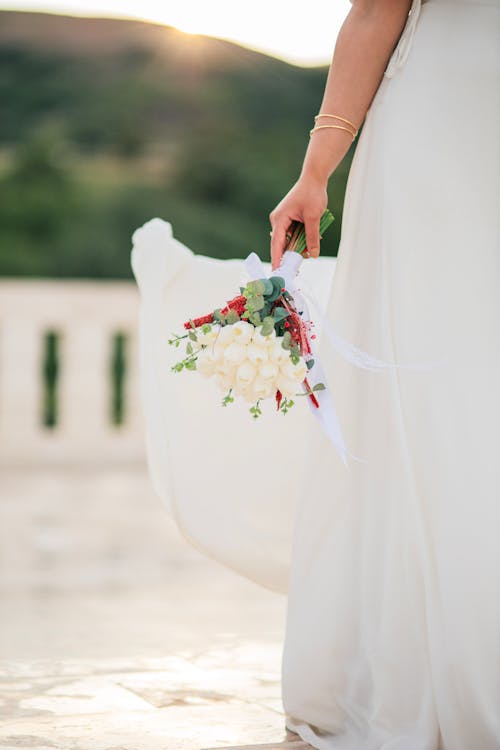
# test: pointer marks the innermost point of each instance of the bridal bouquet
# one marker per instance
(259, 345)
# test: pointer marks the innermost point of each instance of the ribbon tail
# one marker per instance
(354, 354)
(327, 413)
(254, 267)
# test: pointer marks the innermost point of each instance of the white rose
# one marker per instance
(208, 338)
(227, 369)
(245, 373)
(296, 372)
(235, 353)
(268, 370)
(263, 388)
(226, 335)
(218, 350)
(277, 353)
(247, 393)
(287, 386)
(224, 381)
(206, 362)
(261, 340)
(257, 354)
(242, 331)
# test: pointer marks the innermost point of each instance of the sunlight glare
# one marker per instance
(292, 31)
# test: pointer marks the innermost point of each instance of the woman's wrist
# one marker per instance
(324, 154)
(315, 173)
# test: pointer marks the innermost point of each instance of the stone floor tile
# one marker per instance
(173, 728)
(93, 695)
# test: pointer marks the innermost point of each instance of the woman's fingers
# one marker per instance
(305, 202)
(278, 240)
(311, 224)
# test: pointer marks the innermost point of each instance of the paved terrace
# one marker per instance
(115, 634)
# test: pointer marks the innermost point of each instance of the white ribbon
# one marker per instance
(326, 413)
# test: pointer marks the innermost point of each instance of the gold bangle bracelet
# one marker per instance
(337, 117)
(336, 127)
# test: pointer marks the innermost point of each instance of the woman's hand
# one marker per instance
(305, 202)
(364, 45)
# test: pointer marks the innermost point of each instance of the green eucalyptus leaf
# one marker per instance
(255, 287)
(319, 387)
(278, 282)
(279, 313)
(260, 285)
(268, 287)
(267, 326)
(256, 303)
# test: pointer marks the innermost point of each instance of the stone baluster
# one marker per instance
(21, 352)
(85, 387)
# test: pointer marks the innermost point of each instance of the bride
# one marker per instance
(393, 613)
(391, 566)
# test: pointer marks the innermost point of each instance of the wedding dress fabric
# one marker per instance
(391, 565)
(230, 483)
(393, 613)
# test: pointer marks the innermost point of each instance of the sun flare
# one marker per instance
(281, 29)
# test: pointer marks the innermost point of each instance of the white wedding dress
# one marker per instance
(391, 565)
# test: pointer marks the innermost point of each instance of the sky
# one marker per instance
(301, 33)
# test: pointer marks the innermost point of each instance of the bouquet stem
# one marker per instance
(297, 241)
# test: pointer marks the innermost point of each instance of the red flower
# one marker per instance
(279, 397)
(298, 332)
(311, 395)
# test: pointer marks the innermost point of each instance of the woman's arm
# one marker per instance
(364, 45)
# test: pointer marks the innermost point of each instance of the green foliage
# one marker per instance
(232, 317)
(279, 314)
(255, 410)
(96, 141)
(267, 325)
(228, 398)
(286, 405)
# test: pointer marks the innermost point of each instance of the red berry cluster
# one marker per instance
(237, 303)
(199, 321)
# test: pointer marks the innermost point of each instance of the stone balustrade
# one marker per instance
(83, 318)
(69, 364)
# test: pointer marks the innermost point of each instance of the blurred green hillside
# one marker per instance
(108, 123)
